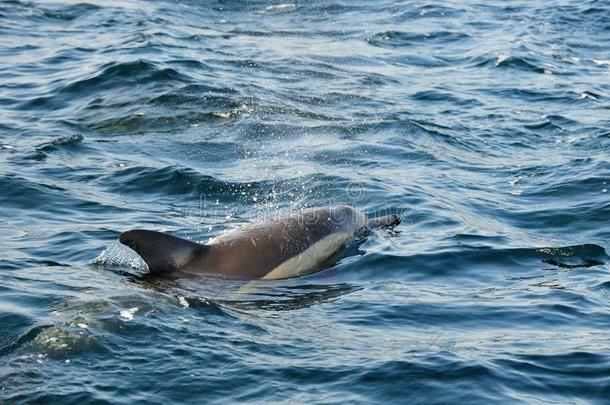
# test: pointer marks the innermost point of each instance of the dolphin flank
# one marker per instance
(283, 247)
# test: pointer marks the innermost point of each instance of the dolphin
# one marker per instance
(282, 247)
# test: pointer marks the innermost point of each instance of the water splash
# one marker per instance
(117, 254)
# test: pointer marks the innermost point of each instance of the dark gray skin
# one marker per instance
(256, 250)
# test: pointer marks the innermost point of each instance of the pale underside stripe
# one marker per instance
(307, 261)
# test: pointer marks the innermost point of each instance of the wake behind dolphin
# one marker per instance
(282, 247)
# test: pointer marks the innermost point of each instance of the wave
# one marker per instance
(124, 73)
(484, 127)
(396, 39)
(60, 143)
(113, 76)
(53, 202)
(472, 261)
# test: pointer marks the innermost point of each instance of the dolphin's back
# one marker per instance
(287, 246)
(282, 247)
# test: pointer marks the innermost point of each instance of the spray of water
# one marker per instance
(117, 254)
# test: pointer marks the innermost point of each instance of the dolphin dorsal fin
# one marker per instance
(160, 251)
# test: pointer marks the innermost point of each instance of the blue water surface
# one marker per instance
(484, 124)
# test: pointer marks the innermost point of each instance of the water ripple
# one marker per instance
(484, 125)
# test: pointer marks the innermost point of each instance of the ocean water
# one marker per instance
(484, 124)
